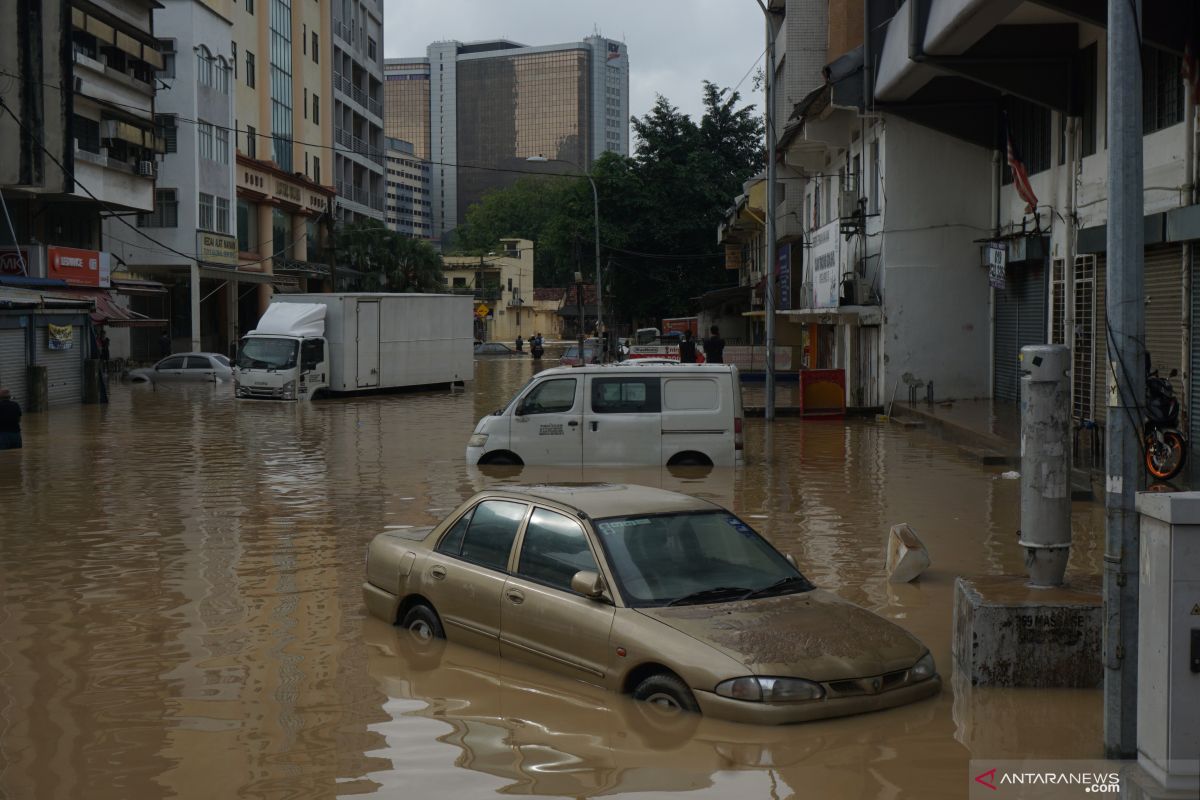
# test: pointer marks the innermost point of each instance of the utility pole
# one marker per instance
(1126, 376)
(769, 294)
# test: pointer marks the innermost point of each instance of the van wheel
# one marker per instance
(689, 460)
(501, 459)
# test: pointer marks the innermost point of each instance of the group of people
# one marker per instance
(714, 348)
(537, 345)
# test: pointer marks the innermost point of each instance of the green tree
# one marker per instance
(391, 262)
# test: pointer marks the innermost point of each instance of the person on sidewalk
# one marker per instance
(687, 349)
(714, 347)
(10, 422)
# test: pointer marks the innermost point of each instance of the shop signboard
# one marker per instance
(15, 261)
(825, 256)
(216, 248)
(76, 267)
(997, 261)
(783, 267)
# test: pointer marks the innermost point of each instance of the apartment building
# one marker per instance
(409, 211)
(358, 164)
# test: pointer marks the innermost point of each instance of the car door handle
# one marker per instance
(573, 423)
(594, 424)
(437, 572)
(515, 596)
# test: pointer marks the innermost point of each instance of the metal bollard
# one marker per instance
(1045, 462)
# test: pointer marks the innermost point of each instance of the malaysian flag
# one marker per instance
(1020, 175)
(614, 51)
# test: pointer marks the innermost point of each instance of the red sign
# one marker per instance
(76, 267)
(10, 261)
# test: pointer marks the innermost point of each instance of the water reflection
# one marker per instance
(180, 610)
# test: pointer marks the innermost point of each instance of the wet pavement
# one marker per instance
(180, 611)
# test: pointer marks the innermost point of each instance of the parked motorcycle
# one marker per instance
(1165, 445)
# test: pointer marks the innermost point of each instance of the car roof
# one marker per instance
(189, 353)
(631, 365)
(607, 499)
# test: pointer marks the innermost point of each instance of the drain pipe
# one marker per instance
(1189, 197)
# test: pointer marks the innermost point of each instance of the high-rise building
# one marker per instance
(409, 211)
(406, 102)
(358, 108)
(494, 104)
(283, 52)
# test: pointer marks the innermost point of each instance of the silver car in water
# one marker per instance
(185, 368)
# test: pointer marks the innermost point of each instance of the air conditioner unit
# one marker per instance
(146, 169)
(856, 290)
(848, 204)
(109, 128)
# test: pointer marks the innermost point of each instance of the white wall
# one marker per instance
(935, 293)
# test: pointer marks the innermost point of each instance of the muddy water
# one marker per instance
(180, 612)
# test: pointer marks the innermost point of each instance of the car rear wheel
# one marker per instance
(667, 694)
(422, 622)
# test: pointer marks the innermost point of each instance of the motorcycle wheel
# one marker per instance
(1165, 459)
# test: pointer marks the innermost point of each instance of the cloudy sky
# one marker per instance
(673, 44)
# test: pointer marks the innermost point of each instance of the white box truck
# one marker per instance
(307, 344)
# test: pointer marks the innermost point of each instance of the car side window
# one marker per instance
(451, 543)
(626, 395)
(171, 363)
(198, 362)
(550, 397)
(490, 534)
(554, 549)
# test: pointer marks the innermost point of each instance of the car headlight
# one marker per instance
(923, 669)
(477, 440)
(770, 690)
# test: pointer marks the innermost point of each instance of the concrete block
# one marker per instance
(1009, 634)
(907, 557)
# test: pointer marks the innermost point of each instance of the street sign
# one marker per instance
(997, 257)
(482, 310)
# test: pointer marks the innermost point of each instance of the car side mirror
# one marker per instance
(588, 583)
(791, 560)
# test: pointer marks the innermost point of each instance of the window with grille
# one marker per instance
(1085, 338)
(1058, 292)
(166, 211)
(167, 130)
(204, 136)
(1162, 90)
(167, 48)
(222, 209)
(251, 141)
(207, 219)
(222, 145)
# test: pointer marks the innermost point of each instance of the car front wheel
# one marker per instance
(667, 694)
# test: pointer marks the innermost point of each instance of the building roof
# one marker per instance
(550, 294)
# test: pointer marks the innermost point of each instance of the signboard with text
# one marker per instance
(216, 248)
(783, 267)
(15, 261)
(997, 261)
(76, 267)
(825, 256)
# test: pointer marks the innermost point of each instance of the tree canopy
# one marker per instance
(391, 262)
(659, 209)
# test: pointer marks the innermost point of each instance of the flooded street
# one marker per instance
(180, 611)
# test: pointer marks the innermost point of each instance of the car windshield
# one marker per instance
(701, 557)
(265, 353)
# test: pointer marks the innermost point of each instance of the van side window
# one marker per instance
(626, 396)
(550, 397)
(690, 394)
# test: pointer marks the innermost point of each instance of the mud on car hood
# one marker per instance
(814, 635)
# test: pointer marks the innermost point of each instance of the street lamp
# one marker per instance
(540, 159)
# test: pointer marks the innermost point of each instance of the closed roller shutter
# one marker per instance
(64, 368)
(1164, 312)
(13, 368)
(1194, 374)
(1020, 320)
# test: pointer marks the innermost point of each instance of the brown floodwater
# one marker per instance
(180, 611)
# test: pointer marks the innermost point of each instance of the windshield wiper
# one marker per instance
(788, 585)
(706, 595)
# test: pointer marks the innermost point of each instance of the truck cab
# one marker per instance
(277, 367)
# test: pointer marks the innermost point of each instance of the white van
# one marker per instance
(618, 414)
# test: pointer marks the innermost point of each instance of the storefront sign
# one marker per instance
(76, 267)
(287, 192)
(783, 267)
(15, 261)
(733, 256)
(61, 337)
(825, 256)
(216, 248)
(997, 260)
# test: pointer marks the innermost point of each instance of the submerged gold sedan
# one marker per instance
(666, 597)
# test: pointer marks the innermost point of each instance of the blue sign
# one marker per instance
(783, 268)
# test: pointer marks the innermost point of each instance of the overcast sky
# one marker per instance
(673, 44)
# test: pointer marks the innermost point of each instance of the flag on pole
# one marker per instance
(1020, 175)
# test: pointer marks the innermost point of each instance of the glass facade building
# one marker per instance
(406, 103)
(281, 83)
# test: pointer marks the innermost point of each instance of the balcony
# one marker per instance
(345, 32)
(348, 89)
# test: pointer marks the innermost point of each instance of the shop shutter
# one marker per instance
(1164, 312)
(12, 363)
(64, 368)
(1020, 320)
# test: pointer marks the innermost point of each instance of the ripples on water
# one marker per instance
(181, 616)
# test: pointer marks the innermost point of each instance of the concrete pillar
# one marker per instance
(266, 248)
(1045, 462)
(1168, 727)
(194, 298)
(299, 241)
(232, 292)
(92, 379)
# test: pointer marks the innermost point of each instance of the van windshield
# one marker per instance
(265, 353)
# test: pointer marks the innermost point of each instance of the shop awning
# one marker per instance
(107, 311)
(214, 273)
(860, 315)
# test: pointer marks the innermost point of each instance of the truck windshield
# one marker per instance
(264, 353)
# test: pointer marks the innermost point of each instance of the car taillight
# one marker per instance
(739, 443)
